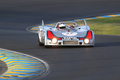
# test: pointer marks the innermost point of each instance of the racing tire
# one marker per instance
(40, 44)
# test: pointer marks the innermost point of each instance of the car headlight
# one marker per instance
(86, 41)
(54, 40)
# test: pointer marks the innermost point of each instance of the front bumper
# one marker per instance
(69, 43)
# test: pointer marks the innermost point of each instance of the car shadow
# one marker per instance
(66, 47)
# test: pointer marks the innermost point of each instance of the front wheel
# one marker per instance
(40, 44)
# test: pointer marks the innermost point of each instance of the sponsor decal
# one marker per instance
(70, 38)
(69, 33)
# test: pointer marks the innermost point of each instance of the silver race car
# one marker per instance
(66, 34)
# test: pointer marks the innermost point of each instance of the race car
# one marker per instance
(66, 34)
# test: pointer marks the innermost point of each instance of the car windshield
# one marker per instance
(70, 24)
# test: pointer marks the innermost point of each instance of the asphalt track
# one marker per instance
(66, 63)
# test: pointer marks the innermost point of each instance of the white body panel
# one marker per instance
(68, 37)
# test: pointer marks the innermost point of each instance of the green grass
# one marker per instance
(109, 26)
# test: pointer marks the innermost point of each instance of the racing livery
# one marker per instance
(66, 34)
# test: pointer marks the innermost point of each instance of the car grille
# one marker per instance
(70, 42)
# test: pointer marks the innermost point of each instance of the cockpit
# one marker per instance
(66, 25)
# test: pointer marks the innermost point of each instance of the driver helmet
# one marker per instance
(62, 26)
